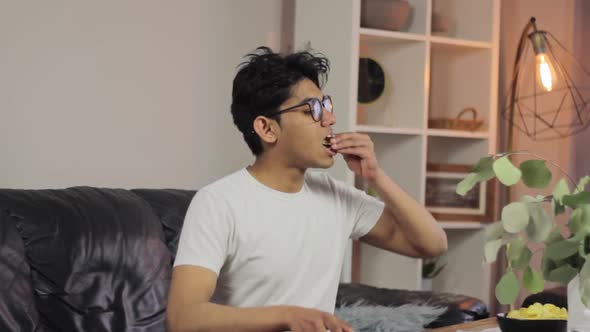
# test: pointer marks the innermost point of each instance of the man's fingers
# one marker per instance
(333, 325)
(297, 329)
(360, 152)
(345, 326)
(349, 144)
(319, 326)
(352, 143)
(354, 137)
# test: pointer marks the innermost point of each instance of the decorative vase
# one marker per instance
(578, 315)
(426, 284)
(393, 15)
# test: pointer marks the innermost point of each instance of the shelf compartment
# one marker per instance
(400, 157)
(403, 99)
(458, 151)
(467, 19)
(460, 78)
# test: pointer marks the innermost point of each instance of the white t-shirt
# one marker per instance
(274, 248)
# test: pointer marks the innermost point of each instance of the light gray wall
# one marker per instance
(125, 94)
(336, 46)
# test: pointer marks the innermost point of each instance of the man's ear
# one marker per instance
(266, 129)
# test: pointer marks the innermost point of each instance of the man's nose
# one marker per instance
(329, 119)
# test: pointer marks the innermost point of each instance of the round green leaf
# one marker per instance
(506, 172)
(561, 189)
(583, 197)
(514, 248)
(523, 259)
(531, 199)
(482, 164)
(532, 280)
(467, 184)
(515, 217)
(540, 224)
(484, 169)
(507, 288)
(535, 173)
(494, 231)
(554, 236)
(580, 219)
(547, 265)
(563, 274)
(519, 255)
(561, 249)
(491, 250)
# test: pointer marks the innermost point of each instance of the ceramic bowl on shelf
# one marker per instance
(530, 325)
(393, 15)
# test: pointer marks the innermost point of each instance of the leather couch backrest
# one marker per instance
(95, 259)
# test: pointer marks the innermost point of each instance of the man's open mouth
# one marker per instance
(326, 141)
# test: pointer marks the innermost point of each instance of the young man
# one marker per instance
(262, 248)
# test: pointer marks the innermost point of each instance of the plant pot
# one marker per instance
(426, 284)
(578, 315)
(386, 14)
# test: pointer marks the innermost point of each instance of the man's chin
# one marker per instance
(327, 164)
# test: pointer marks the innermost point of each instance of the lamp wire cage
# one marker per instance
(562, 111)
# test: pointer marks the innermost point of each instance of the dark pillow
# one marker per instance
(98, 258)
(17, 304)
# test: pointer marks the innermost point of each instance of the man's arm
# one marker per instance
(405, 226)
(189, 309)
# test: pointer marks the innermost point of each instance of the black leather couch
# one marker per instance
(90, 259)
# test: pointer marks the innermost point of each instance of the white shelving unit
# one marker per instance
(428, 75)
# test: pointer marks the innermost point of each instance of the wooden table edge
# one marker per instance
(475, 325)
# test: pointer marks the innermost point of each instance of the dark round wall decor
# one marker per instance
(371, 80)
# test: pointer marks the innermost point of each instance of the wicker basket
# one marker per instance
(457, 123)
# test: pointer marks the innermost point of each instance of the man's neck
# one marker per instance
(277, 176)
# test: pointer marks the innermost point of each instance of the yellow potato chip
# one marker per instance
(539, 311)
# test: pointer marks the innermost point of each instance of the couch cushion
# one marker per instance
(170, 205)
(17, 304)
(98, 258)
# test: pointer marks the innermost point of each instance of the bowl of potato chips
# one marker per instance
(537, 317)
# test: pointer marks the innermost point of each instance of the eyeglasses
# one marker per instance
(315, 105)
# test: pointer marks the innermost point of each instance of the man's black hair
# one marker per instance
(265, 81)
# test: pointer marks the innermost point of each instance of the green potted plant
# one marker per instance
(564, 248)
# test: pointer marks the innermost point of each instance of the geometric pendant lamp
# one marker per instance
(549, 96)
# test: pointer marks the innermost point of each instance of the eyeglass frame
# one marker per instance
(309, 102)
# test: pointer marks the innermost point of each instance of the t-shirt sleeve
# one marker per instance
(206, 233)
(363, 211)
